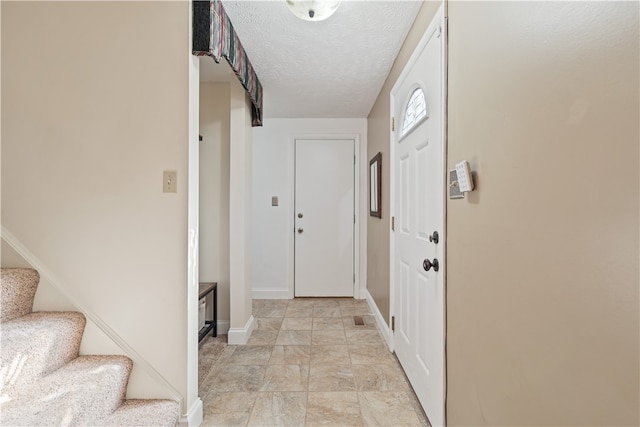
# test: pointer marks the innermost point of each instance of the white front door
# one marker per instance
(418, 207)
(324, 218)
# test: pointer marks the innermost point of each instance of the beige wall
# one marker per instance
(240, 196)
(10, 258)
(378, 128)
(542, 290)
(93, 110)
(214, 190)
(47, 296)
(225, 201)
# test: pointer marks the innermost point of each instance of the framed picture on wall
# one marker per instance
(375, 186)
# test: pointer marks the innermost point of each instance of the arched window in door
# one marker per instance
(415, 111)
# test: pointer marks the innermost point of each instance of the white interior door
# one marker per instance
(418, 269)
(324, 218)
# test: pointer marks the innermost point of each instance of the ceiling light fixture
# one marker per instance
(313, 10)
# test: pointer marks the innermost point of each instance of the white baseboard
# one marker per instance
(194, 417)
(271, 294)
(385, 330)
(222, 327)
(240, 336)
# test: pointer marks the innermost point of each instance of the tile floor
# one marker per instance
(306, 364)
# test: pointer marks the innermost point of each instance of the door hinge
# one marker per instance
(354, 159)
(393, 223)
(354, 218)
(393, 123)
(393, 323)
(354, 277)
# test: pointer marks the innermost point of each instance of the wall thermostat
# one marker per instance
(460, 180)
(465, 181)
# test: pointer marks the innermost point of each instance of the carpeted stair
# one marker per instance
(43, 380)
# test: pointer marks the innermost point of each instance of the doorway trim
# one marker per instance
(357, 236)
(191, 411)
(442, 12)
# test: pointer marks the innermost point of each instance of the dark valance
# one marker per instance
(214, 36)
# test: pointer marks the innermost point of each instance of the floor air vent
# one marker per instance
(358, 320)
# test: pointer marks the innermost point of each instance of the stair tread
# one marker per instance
(85, 390)
(36, 344)
(17, 290)
(144, 412)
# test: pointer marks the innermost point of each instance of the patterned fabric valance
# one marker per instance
(213, 35)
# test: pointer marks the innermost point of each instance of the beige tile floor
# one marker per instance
(306, 364)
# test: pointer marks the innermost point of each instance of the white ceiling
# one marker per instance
(332, 68)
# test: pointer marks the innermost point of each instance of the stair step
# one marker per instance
(17, 290)
(143, 412)
(87, 389)
(37, 344)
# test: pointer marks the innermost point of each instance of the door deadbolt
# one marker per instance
(435, 237)
(300, 215)
(426, 264)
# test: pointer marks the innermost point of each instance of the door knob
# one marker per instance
(300, 215)
(435, 238)
(426, 264)
(300, 230)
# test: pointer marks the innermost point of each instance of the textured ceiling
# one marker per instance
(332, 68)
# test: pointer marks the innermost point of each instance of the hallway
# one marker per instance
(306, 363)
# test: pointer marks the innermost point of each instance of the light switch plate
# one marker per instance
(169, 182)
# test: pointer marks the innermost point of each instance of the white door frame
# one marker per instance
(392, 197)
(357, 286)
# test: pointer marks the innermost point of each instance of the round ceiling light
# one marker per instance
(313, 10)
